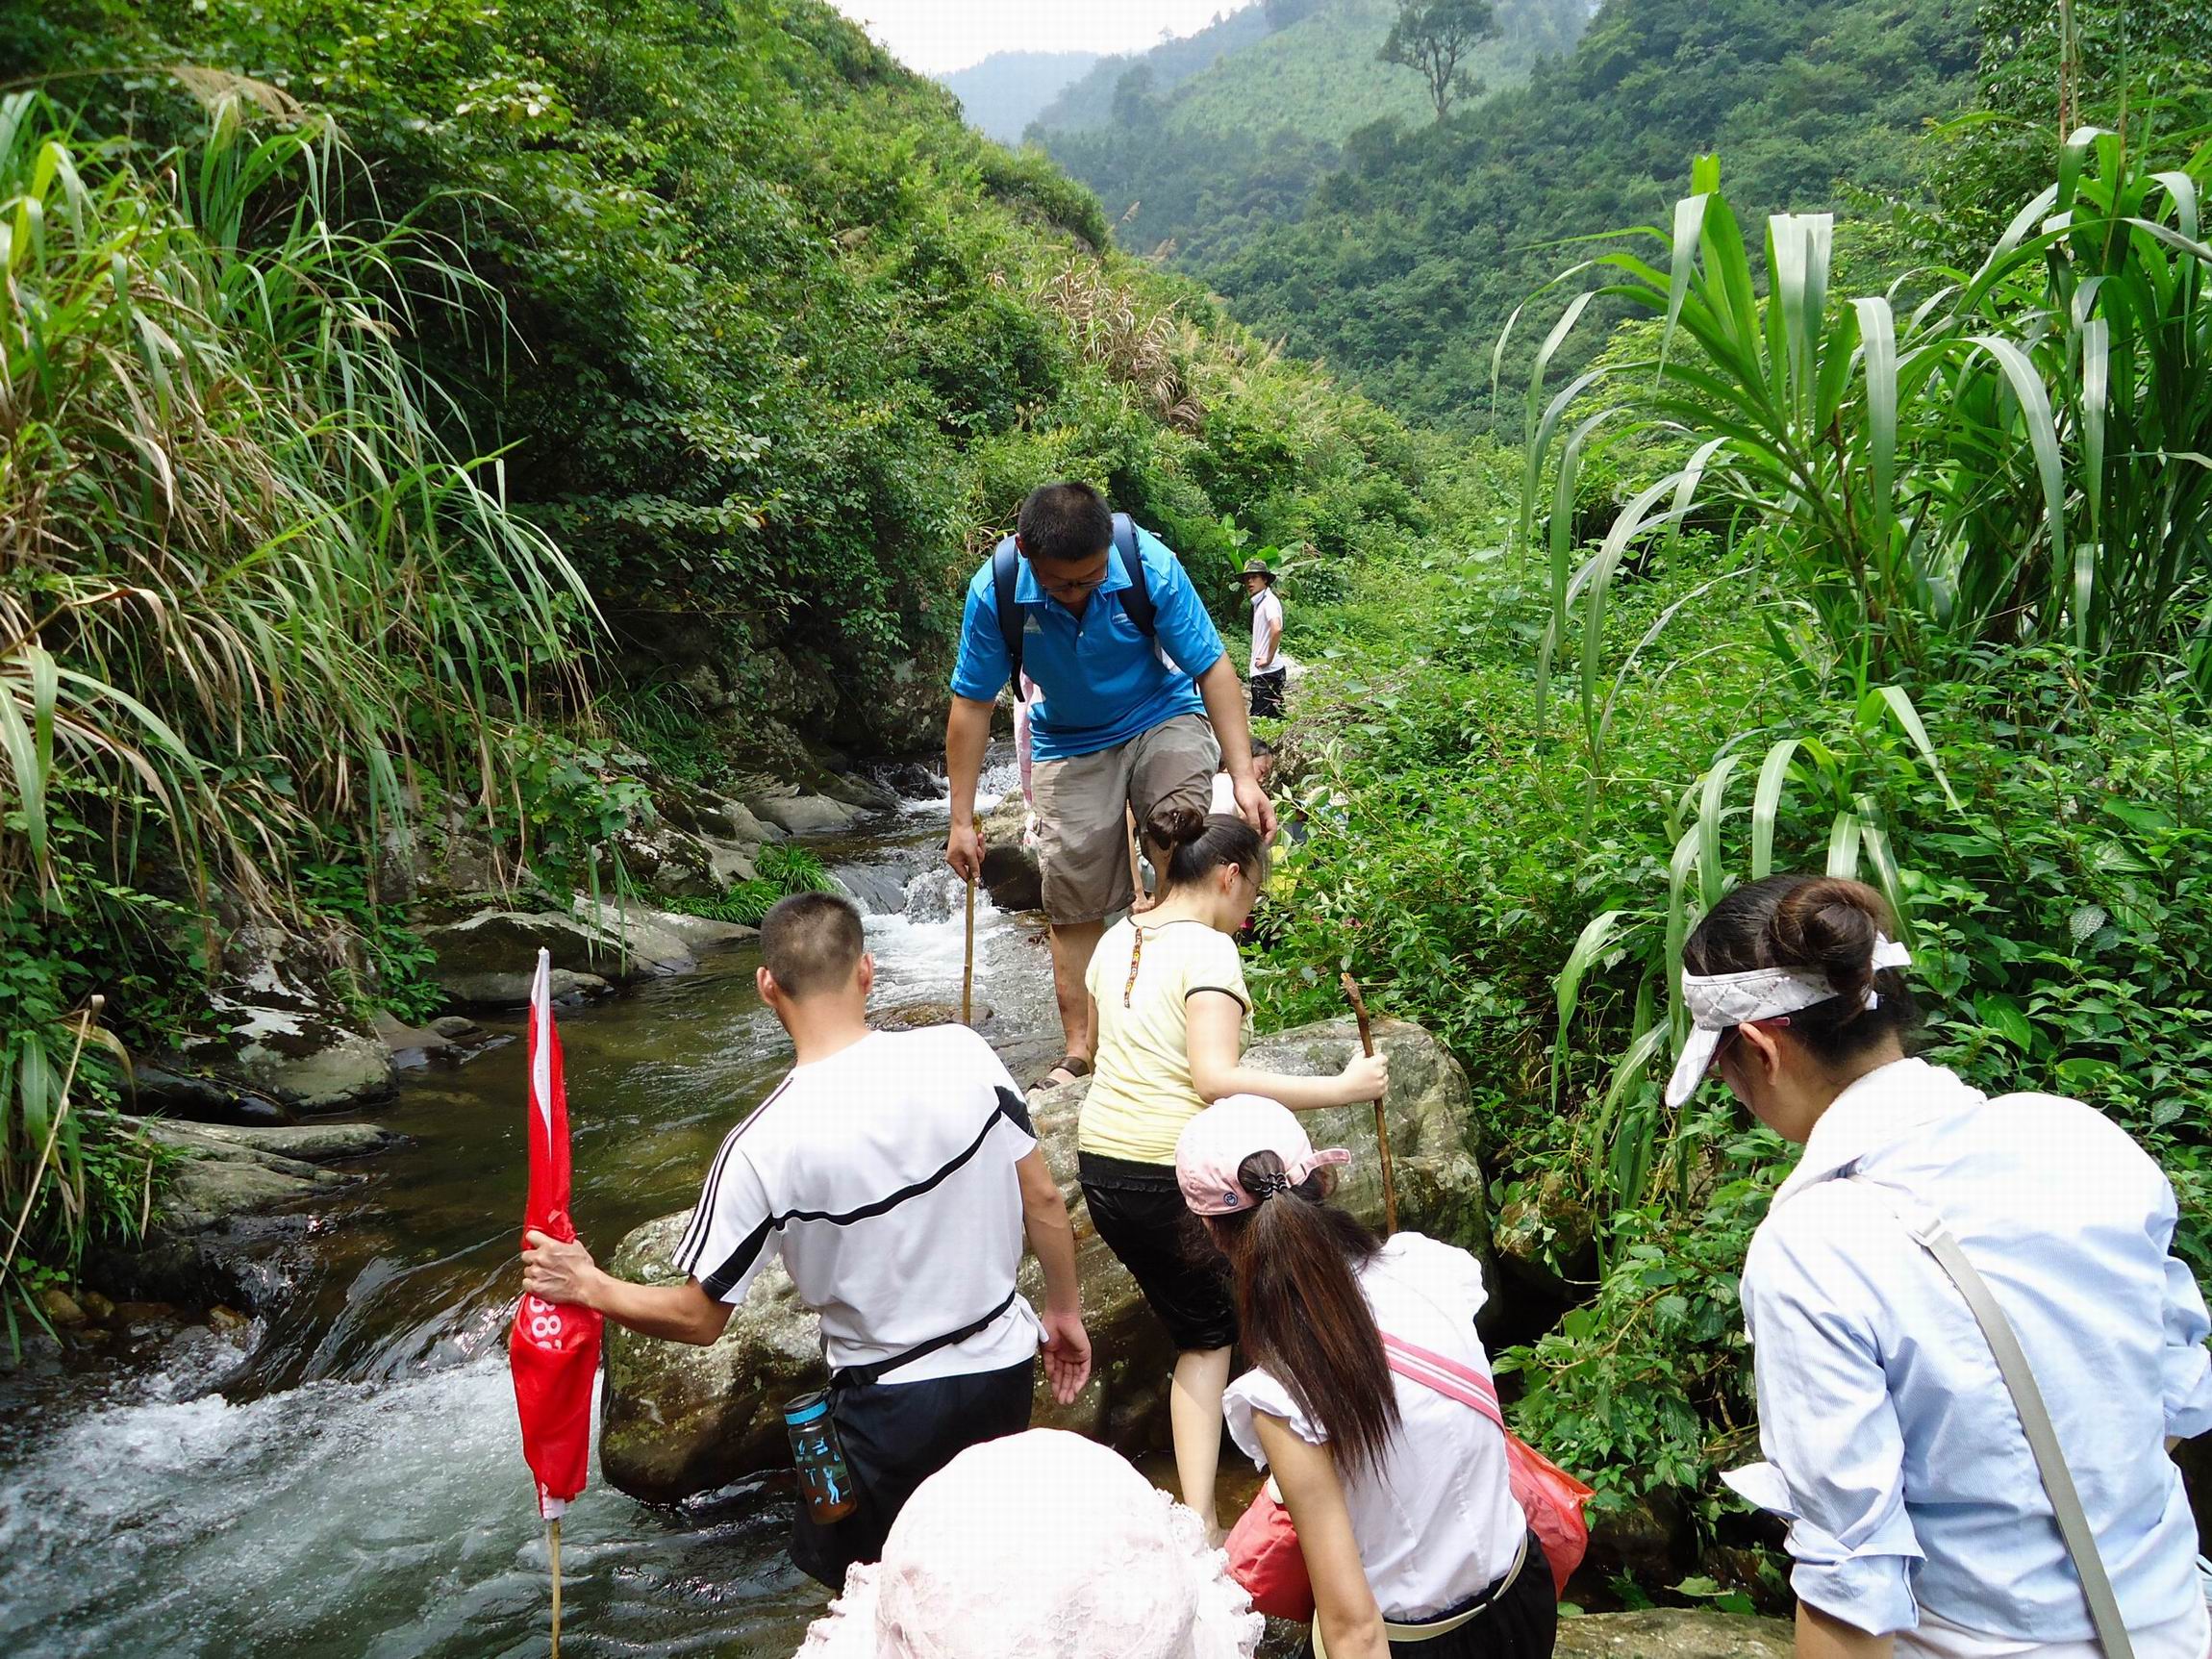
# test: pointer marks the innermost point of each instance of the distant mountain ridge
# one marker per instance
(1089, 102)
(1007, 91)
(1199, 156)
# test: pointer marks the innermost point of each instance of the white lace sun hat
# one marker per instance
(1720, 1002)
(1041, 1545)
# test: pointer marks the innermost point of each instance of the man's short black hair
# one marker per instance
(1065, 523)
(811, 941)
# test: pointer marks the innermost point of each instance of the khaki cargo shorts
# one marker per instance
(1082, 841)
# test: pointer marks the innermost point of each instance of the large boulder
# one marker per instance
(679, 1420)
(804, 815)
(487, 959)
(1010, 875)
(281, 1028)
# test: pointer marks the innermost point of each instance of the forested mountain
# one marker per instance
(1203, 161)
(1089, 101)
(1407, 260)
(1004, 93)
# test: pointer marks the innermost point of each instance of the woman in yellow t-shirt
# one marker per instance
(1171, 1011)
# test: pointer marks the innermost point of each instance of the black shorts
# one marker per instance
(1522, 1624)
(896, 1436)
(1138, 1211)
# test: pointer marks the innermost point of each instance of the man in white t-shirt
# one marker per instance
(1269, 672)
(896, 1176)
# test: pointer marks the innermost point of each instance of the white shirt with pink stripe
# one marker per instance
(1435, 1524)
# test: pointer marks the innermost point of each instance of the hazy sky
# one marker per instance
(936, 36)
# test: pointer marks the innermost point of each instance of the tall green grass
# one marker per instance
(1910, 483)
(248, 585)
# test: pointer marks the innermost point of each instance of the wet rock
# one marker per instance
(155, 1088)
(1672, 1633)
(224, 1322)
(804, 815)
(97, 1307)
(679, 1420)
(280, 1028)
(701, 934)
(308, 1142)
(911, 780)
(1543, 1229)
(662, 858)
(507, 941)
(411, 1045)
(915, 1015)
(459, 1028)
(59, 1307)
(1010, 871)
(732, 862)
(866, 793)
(1638, 1538)
(512, 989)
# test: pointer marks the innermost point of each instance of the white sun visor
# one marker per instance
(1720, 1002)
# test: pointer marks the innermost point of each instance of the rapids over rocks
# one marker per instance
(350, 1483)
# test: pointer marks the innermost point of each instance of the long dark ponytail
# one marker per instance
(1299, 1311)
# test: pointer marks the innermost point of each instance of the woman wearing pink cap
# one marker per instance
(1365, 1362)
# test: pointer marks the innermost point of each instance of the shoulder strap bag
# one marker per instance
(2012, 1365)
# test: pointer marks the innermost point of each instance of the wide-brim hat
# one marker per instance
(1258, 567)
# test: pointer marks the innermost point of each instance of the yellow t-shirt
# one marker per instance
(1141, 1089)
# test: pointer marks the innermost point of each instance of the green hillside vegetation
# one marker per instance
(768, 346)
(1089, 101)
(1201, 165)
(1002, 94)
(1405, 265)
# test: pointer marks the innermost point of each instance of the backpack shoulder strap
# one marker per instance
(1005, 569)
(1137, 597)
(2080, 1538)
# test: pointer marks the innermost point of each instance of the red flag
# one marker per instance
(555, 1348)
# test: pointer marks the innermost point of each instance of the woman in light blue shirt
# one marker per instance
(1918, 1524)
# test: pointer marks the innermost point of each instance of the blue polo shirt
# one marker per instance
(1101, 682)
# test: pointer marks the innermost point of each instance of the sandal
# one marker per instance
(1073, 1065)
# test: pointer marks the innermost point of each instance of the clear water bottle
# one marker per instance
(825, 1483)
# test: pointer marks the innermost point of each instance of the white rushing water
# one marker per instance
(383, 1510)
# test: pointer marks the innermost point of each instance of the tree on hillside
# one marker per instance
(1434, 36)
(1282, 13)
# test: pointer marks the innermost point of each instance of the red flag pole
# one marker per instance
(554, 1347)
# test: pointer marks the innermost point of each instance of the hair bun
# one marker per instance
(1830, 924)
(1177, 826)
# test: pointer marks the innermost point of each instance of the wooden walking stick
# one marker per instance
(967, 965)
(1382, 1129)
(553, 1554)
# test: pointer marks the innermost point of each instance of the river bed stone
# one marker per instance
(679, 1420)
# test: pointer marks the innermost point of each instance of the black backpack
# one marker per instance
(1005, 566)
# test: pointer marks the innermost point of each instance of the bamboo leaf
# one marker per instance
(1710, 803)
(1878, 346)
(1774, 774)
(1595, 939)
(1900, 705)
(1843, 845)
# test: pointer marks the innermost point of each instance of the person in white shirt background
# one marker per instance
(1400, 1494)
(1919, 1520)
(1269, 671)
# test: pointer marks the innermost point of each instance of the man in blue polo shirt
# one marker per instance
(1123, 721)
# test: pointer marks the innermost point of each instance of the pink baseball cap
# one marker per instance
(1221, 1137)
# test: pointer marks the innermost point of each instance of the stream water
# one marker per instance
(356, 1486)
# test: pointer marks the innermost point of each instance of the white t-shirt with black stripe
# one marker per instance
(883, 1178)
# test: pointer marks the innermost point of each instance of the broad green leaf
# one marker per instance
(1595, 939)
(2004, 1016)
(1879, 348)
